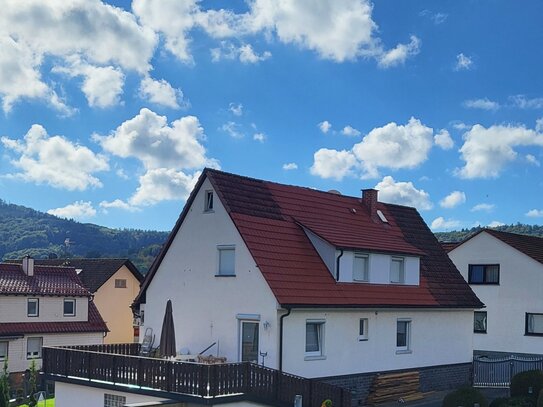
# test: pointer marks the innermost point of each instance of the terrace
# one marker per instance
(119, 366)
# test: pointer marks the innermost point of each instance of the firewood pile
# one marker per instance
(401, 387)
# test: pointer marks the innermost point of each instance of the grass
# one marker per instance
(50, 403)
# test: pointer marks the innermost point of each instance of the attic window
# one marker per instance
(382, 216)
(208, 205)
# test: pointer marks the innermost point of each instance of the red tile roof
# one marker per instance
(268, 217)
(94, 324)
(448, 246)
(47, 280)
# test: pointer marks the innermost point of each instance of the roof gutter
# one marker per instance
(281, 338)
(337, 264)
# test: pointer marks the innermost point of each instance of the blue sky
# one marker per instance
(111, 109)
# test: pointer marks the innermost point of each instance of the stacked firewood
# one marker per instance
(401, 387)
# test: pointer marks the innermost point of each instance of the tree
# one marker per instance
(4, 385)
(32, 381)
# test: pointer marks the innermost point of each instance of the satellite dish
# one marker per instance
(334, 191)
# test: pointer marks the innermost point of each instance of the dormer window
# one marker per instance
(397, 270)
(361, 267)
(33, 307)
(208, 205)
(69, 307)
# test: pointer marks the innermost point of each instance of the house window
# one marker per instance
(33, 347)
(397, 272)
(69, 307)
(208, 205)
(4, 346)
(33, 307)
(120, 283)
(403, 335)
(314, 339)
(534, 324)
(363, 329)
(360, 267)
(227, 261)
(479, 322)
(484, 274)
(112, 400)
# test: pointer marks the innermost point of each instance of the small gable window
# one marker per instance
(69, 307)
(397, 270)
(360, 267)
(227, 261)
(484, 274)
(208, 205)
(33, 307)
(120, 283)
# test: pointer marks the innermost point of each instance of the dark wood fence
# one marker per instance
(206, 381)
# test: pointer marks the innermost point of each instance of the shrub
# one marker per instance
(499, 402)
(540, 399)
(326, 403)
(523, 382)
(465, 397)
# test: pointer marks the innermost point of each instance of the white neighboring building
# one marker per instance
(312, 283)
(505, 270)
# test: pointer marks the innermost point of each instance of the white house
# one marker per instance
(505, 270)
(43, 306)
(312, 283)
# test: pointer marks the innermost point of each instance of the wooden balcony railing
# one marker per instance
(251, 381)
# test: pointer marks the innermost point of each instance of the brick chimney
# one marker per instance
(28, 266)
(369, 199)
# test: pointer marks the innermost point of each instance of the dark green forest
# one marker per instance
(25, 231)
(520, 228)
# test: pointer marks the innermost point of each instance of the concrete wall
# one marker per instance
(206, 307)
(519, 291)
(114, 306)
(437, 338)
(51, 309)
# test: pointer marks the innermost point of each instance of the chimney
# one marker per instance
(28, 266)
(369, 199)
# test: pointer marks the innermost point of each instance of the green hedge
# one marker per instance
(527, 384)
(466, 397)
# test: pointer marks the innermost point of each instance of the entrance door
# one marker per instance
(249, 341)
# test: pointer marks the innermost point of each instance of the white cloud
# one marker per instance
(539, 125)
(332, 163)
(443, 140)
(437, 18)
(403, 193)
(461, 126)
(350, 131)
(487, 151)
(463, 63)
(495, 224)
(483, 207)
(150, 139)
(290, 166)
(455, 198)
(236, 109)
(118, 204)
(532, 160)
(399, 54)
(261, 137)
(55, 160)
(535, 213)
(161, 92)
(325, 126)
(161, 184)
(78, 210)
(441, 223)
(232, 129)
(522, 102)
(245, 53)
(484, 104)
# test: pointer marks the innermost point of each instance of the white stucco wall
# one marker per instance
(51, 309)
(520, 291)
(437, 338)
(379, 268)
(205, 307)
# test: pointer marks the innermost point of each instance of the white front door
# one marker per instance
(248, 338)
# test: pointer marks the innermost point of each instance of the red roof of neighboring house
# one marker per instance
(448, 246)
(47, 280)
(269, 217)
(94, 324)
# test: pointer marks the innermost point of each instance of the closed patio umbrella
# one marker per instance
(167, 336)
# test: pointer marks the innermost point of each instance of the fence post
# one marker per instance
(66, 362)
(89, 365)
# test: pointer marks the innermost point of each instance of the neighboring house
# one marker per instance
(312, 283)
(43, 306)
(505, 270)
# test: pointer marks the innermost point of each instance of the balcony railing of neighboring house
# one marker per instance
(199, 383)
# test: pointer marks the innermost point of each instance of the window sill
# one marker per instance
(533, 334)
(225, 275)
(362, 339)
(319, 357)
(209, 211)
(404, 352)
(479, 332)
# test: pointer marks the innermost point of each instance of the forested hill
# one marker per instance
(25, 231)
(520, 228)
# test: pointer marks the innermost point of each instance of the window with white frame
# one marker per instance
(397, 270)
(361, 267)
(363, 329)
(208, 204)
(227, 261)
(113, 400)
(33, 307)
(33, 347)
(403, 335)
(534, 324)
(479, 322)
(4, 347)
(314, 338)
(69, 307)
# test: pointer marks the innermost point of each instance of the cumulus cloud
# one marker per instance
(290, 166)
(486, 151)
(233, 129)
(483, 207)
(403, 193)
(441, 223)
(162, 93)
(236, 109)
(118, 204)
(333, 164)
(161, 184)
(495, 224)
(78, 210)
(244, 53)
(539, 125)
(535, 213)
(399, 54)
(55, 160)
(443, 140)
(324, 126)
(522, 102)
(350, 131)
(455, 198)
(260, 137)
(463, 63)
(484, 104)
